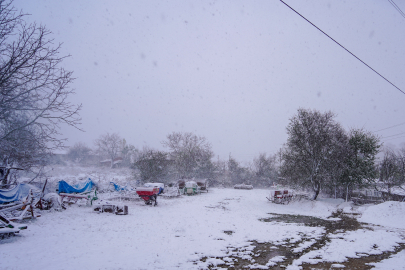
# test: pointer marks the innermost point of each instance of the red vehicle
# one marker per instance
(149, 194)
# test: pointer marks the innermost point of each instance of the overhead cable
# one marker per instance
(396, 7)
(343, 47)
(389, 127)
(395, 138)
(394, 135)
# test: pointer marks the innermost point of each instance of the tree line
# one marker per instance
(319, 155)
(186, 156)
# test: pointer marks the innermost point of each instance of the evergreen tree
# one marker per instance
(360, 167)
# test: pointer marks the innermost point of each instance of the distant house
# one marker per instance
(362, 196)
(394, 194)
(107, 162)
(379, 193)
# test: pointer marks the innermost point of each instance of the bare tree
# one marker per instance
(189, 152)
(109, 146)
(34, 89)
(32, 83)
(23, 149)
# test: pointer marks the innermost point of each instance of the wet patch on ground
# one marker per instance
(344, 223)
(361, 263)
(279, 255)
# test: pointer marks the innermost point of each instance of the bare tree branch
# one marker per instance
(34, 91)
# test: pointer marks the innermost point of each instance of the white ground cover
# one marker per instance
(179, 232)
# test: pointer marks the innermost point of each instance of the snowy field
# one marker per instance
(222, 229)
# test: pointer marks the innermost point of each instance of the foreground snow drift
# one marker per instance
(390, 214)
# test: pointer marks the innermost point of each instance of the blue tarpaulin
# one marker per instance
(79, 188)
(14, 194)
(119, 188)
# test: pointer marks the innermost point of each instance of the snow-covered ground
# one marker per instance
(214, 229)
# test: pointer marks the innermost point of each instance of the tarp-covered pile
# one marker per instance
(78, 188)
(120, 188)
(15, 194)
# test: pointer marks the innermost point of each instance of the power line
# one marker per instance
(343, 47)
(395, 138)
(396, 7)
(393, 135)
(389, 127)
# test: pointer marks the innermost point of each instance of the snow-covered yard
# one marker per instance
(223, 228)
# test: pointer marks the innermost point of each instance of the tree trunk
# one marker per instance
(317, 189)
(4, 180)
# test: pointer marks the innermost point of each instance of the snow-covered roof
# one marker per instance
(396, 190)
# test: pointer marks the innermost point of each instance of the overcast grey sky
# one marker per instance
(232, 71)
